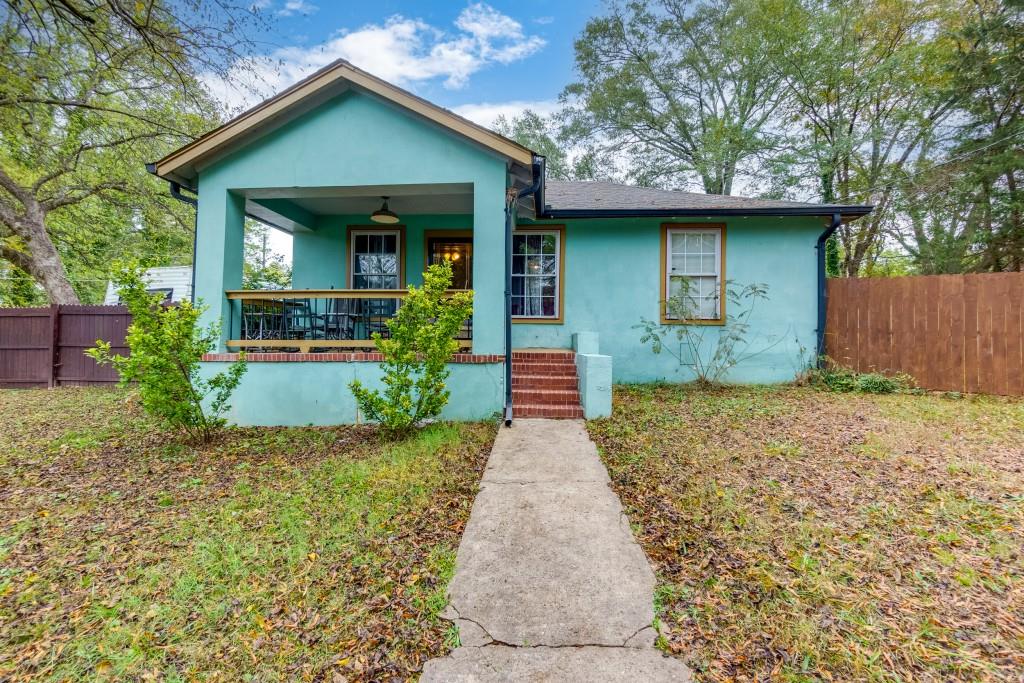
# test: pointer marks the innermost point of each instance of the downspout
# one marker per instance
(194, 202)
(822, 281)
(511, 202)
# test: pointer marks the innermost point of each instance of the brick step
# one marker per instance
(545, 396)
(549, 411)
(544, 368)
(542, 355)
(544, 381)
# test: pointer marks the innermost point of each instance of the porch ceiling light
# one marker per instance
(384, 214)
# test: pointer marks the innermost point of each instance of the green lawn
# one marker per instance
(273, 554)
(800, 535)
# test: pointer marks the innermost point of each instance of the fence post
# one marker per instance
(54, 355)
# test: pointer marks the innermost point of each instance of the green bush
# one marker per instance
(710, 351)
(416, 354)
(834, 378)
(166, 345)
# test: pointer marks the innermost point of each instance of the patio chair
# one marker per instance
(339, 319)
(297, 320)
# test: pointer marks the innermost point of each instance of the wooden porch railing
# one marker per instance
(316, 319)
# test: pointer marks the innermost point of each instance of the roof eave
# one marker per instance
(853, 211)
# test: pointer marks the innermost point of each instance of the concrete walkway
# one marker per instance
(549, 583)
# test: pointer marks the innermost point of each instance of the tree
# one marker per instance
(832, 257)
(678, 87)
(987, 159)
(262, 267)
(867, 84)
(533, 131)
(545, 136)
(958, 208)
(92, 90)
(17, 288)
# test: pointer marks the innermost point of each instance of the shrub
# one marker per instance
(838, 379)
(416, 354)
(731, 346)
(166, 345)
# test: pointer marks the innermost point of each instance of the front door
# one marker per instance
(458, 251)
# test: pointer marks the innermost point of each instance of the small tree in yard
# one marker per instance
(416, 354)
(731, 347)
(166, 345)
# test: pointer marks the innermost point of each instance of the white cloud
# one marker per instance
(486, 113)
(402, 50)
(543, 21)
(297, 7)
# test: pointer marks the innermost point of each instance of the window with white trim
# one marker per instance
(376, 259)
(693, 271)
(536, 259)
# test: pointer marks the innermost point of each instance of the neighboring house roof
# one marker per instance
(330, 81)
(568, 199)
(175, 281)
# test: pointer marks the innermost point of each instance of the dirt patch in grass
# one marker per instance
(272, 554)
(801, 535)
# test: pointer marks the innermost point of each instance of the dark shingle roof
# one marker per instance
(599, 197)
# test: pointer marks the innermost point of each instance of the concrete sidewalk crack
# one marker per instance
(564, 646)
(458, 615)
(501, 643)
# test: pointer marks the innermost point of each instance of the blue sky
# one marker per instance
(478, 58)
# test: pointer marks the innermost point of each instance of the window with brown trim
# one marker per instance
(693, 272)
(537, 274)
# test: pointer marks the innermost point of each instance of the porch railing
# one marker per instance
(309, 320)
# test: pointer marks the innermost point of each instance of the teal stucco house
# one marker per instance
(374, 183)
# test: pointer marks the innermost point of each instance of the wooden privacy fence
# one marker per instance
(44, 347)
(949, 332)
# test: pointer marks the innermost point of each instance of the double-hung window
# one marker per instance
(536, 274)
(376, 259)
(693, 271)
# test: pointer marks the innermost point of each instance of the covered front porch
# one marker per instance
(316, 161)
(352, 263)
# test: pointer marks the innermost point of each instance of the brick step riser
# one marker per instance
(545, 382)
(549, 397)
(543, 369)
(519, 355)
(558, 412)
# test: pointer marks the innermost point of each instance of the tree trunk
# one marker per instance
(45, 264)
(1016, 239)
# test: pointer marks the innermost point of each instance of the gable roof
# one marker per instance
(338, 76)
(581, 199)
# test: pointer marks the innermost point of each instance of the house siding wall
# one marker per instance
(176, 278)
(317, 393)
(612, 281)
